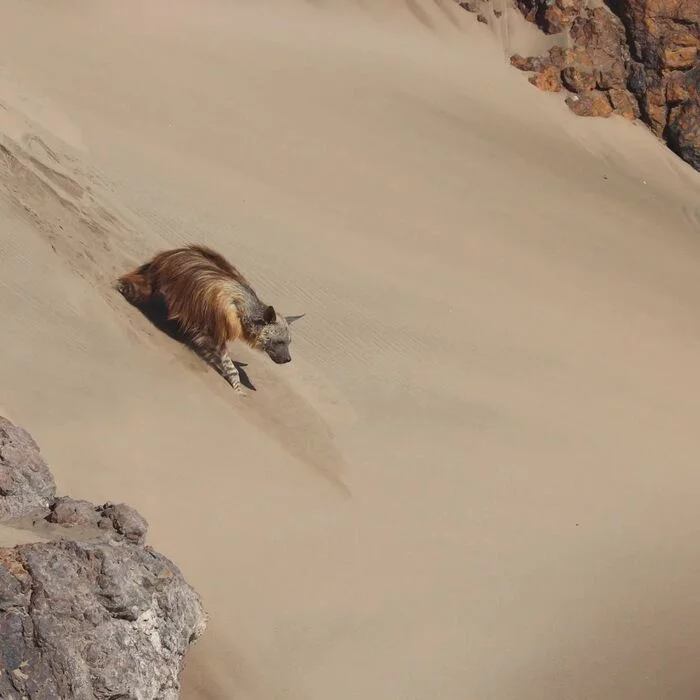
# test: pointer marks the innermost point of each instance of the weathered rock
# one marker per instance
(677, 88)
(92, 614)
(529, 63)
(642, 56)
(683, 130)
(118, 520)
(547, 79)
(125, 521)
(590, 104)
(25, 480)
(93, 621)
(650, 90)
(599, 43)
(665, 41)
(70, 512)
(597, 61)
(662, 32)
(679, 56)
(623, 103)
(551, 16)
(471, 5)
(478, 7)
(578, 79)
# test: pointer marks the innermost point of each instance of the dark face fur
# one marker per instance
(273, 336)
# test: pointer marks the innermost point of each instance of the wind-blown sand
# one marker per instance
(479, 476)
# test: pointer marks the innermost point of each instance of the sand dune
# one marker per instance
(477, 478)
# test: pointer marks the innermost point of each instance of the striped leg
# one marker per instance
(220, 360)
(230, 372)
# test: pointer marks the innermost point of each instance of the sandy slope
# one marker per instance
(478, 478)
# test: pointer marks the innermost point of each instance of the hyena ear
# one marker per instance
(269, 315)
(291, 319)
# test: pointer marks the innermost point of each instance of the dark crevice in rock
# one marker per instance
(617, 8)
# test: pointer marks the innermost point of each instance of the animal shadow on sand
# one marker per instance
(316, 449)
(156, 311)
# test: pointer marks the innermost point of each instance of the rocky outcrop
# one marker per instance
(665, 73)
(551, 16)
(682, 130)
(594, 70)
(483, 9)
(25, 480)
(636, 58)
(84, 620)
(92, 613)
(116, 519)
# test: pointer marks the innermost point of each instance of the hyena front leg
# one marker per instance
(220, 360)
(230, 372)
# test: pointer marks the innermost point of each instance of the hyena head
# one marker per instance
(271, 332)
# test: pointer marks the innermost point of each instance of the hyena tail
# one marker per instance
(135, 286)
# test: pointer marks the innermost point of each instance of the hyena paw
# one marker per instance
(239, 390)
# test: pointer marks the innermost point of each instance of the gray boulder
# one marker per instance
(114, 520)
(26, 483)
(92, 613)
(93, 621)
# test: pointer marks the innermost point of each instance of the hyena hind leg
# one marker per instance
(135, 286)
(220, 360)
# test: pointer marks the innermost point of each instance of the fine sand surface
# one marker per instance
(478, 478)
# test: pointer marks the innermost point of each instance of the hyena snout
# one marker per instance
(279, 353)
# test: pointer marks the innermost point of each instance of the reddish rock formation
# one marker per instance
(595, 68)
(636, 58)
(551, 17)
(592, 103)
(683, 129)
(548, 78)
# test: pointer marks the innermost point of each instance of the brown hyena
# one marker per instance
(212, 303)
